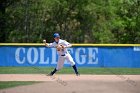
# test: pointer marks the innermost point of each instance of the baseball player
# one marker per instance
(63, 54)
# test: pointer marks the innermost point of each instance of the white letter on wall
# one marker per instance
(18, 56)
(42, 57)
(93, 58)
(82, 56)
(29, 55)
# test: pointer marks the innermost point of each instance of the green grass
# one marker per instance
(9, 84)
(69, 70)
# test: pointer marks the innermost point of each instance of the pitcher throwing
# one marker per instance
(63, 54)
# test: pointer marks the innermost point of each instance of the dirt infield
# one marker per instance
(74, 84)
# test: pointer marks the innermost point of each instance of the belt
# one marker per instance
(63, 55)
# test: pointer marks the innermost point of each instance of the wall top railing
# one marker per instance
(75, 44)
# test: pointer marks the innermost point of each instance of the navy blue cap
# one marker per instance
(56, 35)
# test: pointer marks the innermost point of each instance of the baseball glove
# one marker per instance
(59, 47)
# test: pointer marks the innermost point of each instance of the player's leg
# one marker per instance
(70, 59)
(52, 72)
(60, 64)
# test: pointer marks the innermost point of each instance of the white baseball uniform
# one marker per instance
(63, 54)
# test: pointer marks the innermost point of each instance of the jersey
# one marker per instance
(60, 42)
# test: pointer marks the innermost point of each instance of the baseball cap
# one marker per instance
(56, 35)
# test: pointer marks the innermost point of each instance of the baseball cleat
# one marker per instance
(77, 74)
(50, 74)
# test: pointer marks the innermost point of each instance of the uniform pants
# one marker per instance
(61, 60)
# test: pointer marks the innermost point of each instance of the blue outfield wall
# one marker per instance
(84, 56)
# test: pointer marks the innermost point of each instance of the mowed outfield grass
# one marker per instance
(8, 84)
(69, 70)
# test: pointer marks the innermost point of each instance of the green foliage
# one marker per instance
(78, 21)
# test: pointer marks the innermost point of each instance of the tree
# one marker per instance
(78, 21)
(4, 4)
